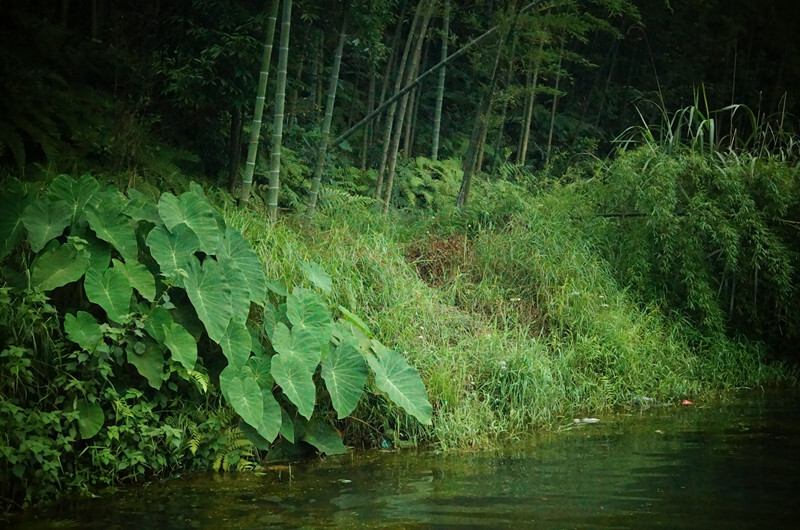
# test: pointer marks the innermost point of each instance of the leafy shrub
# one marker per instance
(166, 305)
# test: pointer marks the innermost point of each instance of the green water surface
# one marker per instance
(731, 465)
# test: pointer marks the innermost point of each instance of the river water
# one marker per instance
(733, 465)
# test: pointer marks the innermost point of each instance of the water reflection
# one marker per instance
(731, 466)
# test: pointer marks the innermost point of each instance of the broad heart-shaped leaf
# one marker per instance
(181, 344)
(345, 374)
(112, 226)
(139, 277)
(141, 208)
(307, 311)
(172, 249)
(236, 282)
(76, 193)
(401, 383)
(295, 380)
(236, 253)
(90, 418)
(270, 423)
(156, 320)
(236, 344)
(13, 201)
(287, 426)
(195, 211)
(44, 220)
(84, 330)
(324, 437)
(317, 275)
(297, 343)
(243, 394)
(59, 266)
(270, 319)
(210, 296)
(111, 291)
(259, 367)
(355, 320)
(99, 251)
(149, 363)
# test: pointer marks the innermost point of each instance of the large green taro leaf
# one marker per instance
(237, 254)
(76, 193)
(155, 322)
(149, 363)
(139, 277)
(111, 291)
(112, 226)
(297, 343)
(237, 283)
(270, 423)
(287, 426)
(84, 330)
(195, 211)
(210, 296)
(172, 249)
(59, 266)
(295, 380)
(307, 311)
(13, 201)
(141, 208)
(401, 382)
(44, 220)
(236, 344)
(181, 344)
(90, 418)
(324, 437)
(99, 251)
(259, 368)
(317, 275)
(345, 374)
(243, 394)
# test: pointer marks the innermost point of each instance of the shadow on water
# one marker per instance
(718, 466)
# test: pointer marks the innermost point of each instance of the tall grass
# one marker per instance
(512, 318)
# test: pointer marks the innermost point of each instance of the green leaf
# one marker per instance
(287, 427)
(210, 296)
(239, 295)
(112, 226)
(195, 211)
(317, 275)
(181, 344)
(172, 249)
(259, 367)
(139, 277)
(307, 311)
(270, 424)
(355, 320)
(345, 374)
(59, 266)
(90, 418)
(45, 220)
(277, 288)
(111, 291)
(401, 383)
(99, 251)
(324, 437)
(270, 319)
(156, 321)
(84, 330)
(236, 344)
(13, 201)
(297, 343)
(243, 394)
(141, 208)
(295, 380)
(149, 363)
(76, 194)
(236, 253)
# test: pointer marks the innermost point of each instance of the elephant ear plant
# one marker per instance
(156, 279)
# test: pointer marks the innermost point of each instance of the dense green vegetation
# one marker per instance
(159, 313)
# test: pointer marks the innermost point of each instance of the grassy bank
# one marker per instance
(507, 310)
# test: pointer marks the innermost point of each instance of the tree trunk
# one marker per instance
(316, 181)
(277, 121)
(526, 130)
(235, 155)
(292, 112)
(255, 126)
(437, 115)
(404, 104)
(553, 111)
(389, 119)
(367, 139)
(392, 59)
